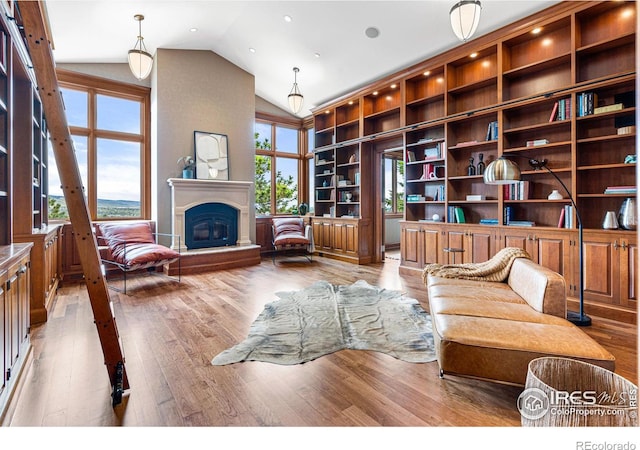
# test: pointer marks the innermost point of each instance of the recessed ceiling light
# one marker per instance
(287, 18)
(316, 54)
(252, 50)
(372, 32)
(193, 30)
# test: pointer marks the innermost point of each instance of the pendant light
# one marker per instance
(140, 61)
(295, 97)
(465, 17)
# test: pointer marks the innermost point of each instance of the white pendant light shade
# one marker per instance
(140, 60)
(295, 97)
(465, 17)
(140, 63)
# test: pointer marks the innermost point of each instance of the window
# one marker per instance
(109, 125)
(280, 172)
(394, 184)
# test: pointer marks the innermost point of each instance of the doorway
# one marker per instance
(391, 192)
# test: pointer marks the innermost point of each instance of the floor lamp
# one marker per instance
(505, 171)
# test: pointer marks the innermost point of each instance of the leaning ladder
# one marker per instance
(43, 66)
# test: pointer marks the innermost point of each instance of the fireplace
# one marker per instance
(210, 225)
(210, 213)
(214, 217)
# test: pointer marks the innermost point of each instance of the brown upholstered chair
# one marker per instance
(292, 236)
(132, 246)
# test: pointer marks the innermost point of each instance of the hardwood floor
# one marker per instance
(171, 331)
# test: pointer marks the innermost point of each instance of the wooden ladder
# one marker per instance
(44, 67)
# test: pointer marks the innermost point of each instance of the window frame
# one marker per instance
(95, 86)
(301, 156)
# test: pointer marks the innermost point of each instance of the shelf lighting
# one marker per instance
(465, 17)
(473, 55)
(393, 86)
(427, 73)
(536, 30)
(374, 93)
(140, 60)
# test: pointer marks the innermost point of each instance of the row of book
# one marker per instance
(566, 219)
(509, 220)
(455, 214)
(517, 191)
(632, 190)
(492, 131)
(561, 110)
(587, 102)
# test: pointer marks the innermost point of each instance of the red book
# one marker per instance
(561, 220)
(552, 117)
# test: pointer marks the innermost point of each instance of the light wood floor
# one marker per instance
(171, 332)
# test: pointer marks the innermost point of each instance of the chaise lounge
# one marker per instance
(492, 329)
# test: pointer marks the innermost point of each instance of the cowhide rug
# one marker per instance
(324, 318)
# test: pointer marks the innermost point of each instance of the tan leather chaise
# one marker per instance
(492, 330)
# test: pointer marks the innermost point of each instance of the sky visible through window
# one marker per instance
(118, 161)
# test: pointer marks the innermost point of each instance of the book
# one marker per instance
(608, 108)
(475, 197)
(554, 112)
(459, 215)
(561, 219)
(411, 156)
(536, 142)
(522, 223)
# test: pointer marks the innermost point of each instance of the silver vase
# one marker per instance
(628, 216)
(610, 222)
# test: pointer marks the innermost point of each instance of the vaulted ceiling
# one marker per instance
(327, 40)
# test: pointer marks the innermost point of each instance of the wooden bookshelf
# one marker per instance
(529, 79)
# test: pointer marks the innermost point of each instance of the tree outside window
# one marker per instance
(277, 168)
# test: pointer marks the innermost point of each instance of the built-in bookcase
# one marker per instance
(557, 86)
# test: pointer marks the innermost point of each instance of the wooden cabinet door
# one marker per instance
(601, 266)
(480, 245)
(431, 251)
(327, 236)
(351, 239)
(12, 314)
(3, 334)
(518, 238)
(552, 251)
(456, 239)
(317, 234)
(629, 273)
(339, 237)
(24, 295)
(410, 245)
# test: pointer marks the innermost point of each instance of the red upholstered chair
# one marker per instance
(292, 235)
(132, 246)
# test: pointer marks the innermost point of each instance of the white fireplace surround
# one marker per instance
(187, 193)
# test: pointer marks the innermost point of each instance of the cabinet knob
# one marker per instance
(615, 244)
(624, 245)
(22, 270)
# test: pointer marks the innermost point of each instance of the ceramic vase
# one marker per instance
(627, 216)
(610, 222)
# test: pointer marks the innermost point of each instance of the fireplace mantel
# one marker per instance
(187, 193)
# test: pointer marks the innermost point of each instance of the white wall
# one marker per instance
(392, 230)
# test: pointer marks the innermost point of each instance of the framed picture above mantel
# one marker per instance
(212, 161)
